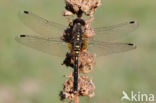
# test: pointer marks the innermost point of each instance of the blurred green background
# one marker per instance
(29, 76)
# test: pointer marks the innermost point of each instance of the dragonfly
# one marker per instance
(47, 39)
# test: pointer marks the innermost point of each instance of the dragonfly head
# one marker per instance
(79, 21)
(78, 25)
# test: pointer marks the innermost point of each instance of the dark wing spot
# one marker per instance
(131, 44)
(26, 12)
(131, 22)
(22, 35)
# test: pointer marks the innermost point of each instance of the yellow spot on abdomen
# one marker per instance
(77, 46)
(76, 58)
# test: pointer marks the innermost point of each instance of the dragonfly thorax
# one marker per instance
(77, 43)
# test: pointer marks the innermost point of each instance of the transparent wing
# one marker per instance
(49, 46)
(107, 48)
(115, 32)
(41, 25)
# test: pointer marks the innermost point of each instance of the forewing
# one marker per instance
(49, 46)
(41, 25)
(107, 48)
(115, 32)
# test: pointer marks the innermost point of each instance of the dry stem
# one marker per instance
(86, 60)
(76, 98)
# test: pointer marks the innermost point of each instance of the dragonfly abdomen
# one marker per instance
(76, 47)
